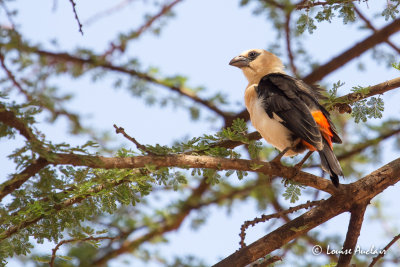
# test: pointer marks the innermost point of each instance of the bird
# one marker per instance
(286, 112)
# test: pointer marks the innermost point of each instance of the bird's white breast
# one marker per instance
(270, 129)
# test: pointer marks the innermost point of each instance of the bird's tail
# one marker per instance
(330, 163)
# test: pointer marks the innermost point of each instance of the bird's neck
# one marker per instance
(254, 77)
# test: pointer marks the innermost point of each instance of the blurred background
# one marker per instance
(82, 84)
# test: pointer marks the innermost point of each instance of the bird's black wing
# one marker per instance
(281, 96)
(313, 93)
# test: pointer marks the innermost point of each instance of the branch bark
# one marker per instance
(190, 161)
(343, 200)
(353, 232)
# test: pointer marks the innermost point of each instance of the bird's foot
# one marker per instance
(299, 165)
(278, 158)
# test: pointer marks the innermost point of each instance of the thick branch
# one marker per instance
(358, 192)
(189, 161)
(376, 38)
(370, 26)
(284, 234)
(353, 232)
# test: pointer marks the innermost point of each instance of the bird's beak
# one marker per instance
(239, 61)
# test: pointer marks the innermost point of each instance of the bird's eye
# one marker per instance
(252, 54)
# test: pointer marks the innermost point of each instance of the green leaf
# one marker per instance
(255, 166)
(305, 23)
(292, 191)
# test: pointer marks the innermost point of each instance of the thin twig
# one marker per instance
(120, 130)
(309, 4)
(90, 238)
(76, 16)
(289, 45)
(360, 147)
(107, 12)
(11, 76)
(8, 14)
(135, 34)
(384, 250)
(265, 218)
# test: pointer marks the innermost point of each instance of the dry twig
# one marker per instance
(265, 218)
(76, 16)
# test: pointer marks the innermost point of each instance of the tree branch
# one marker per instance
(96, 61)
(370, 26)
(376, 38)
(107, 12)
(381, 255)
(289, 45)
(17, 180)
(164, 227)
(135, 34)
(58, 207)
(9, 118)
(120, 130)
(76, 15)
(360, 147)
(357, 192)
(377, 89)
(306, 4)
(353, 232)
(190, 161)
(279, 214)
(187, 161)
(90, 238)
(319, 73)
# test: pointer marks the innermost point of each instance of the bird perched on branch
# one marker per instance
(286, 112)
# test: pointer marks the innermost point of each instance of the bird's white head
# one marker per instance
(256, 63)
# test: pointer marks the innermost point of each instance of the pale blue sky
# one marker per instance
(198, 43)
